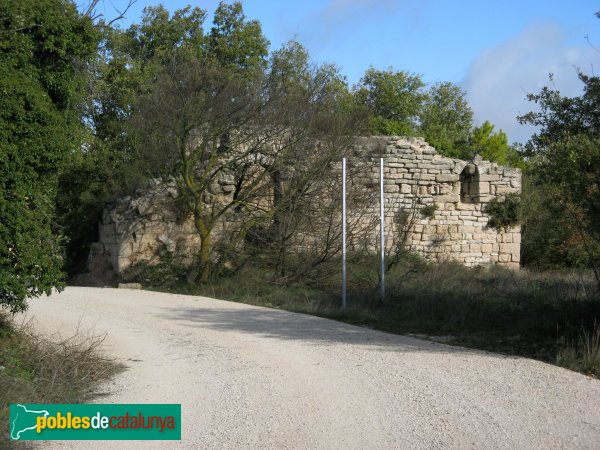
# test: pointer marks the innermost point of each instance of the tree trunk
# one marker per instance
(205, 244)
(205, 247)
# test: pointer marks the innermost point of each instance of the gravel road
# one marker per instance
(250, 377)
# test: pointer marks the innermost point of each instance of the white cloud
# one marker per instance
(499, 78)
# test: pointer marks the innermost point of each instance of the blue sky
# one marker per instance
(497, 51)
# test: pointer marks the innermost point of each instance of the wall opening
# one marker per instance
(469, 184)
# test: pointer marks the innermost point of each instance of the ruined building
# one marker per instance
(136, 228)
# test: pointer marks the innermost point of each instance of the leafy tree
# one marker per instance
(492, 146)
(43, 49)
(565, 164)
(108, 166)
(394, 98)
(272, 134)
(560, 117)
(446, 119)
(321, 122)
(237, 43)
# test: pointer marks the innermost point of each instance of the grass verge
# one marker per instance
(34, 369)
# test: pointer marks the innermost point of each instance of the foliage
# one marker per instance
(394, 99)
(236, 43)
(503, 212)
(429, 211)
(44, 46)
(565, 164)
(88, 182)
(446, 119)
(201, 119)
(559, 117)
(490, 145)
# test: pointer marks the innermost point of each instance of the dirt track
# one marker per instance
(251, 377)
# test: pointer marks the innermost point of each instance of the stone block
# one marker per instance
(448, 198)
(489, 177)
(504, 189)
(466, 206)
(475, 248)
(130, 286)
(484, 187)
(511, 173)
(511, 248)
(406, 189)
(123, 264)
(447, 177)
(125, 250)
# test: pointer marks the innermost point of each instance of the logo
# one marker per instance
(95, 422)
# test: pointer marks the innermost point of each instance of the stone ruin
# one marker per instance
(138, 228)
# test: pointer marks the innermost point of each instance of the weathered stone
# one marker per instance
(449, 198)
(140, 228)
(130, 286)
(446, 177)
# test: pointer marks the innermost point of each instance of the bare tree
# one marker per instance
(240, 148)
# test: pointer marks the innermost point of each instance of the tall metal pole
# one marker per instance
(344, 233)
(382, 233)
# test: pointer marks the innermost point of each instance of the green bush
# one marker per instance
(503, 212)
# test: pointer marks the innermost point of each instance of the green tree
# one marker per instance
(490, 145)
(395, 99)
(236, 43)
(272, 134)
(44, 46)
(108, 166)
(565, 165)
(446, 119)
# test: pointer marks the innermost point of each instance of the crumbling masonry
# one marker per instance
(138, 228)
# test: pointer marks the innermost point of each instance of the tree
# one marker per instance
(394, 98)
(236, 43)
(565, 164)
(44, 47)
(560, 117)
(489, 145)
(446, 119)
(321, 123)
(178, 125)
(108, 166)
(269, 135)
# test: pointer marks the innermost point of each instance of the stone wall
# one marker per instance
(139, 228)
(416, 176)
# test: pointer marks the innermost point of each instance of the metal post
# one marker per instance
(344, 233)
(382, 233)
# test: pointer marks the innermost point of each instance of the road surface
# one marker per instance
(252, 378)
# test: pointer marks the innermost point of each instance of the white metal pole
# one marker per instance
(382, 232)
(344, 233)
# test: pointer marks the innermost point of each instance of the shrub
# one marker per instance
(503, 212)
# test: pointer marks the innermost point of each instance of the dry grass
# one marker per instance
(582, 352)
(35, 369)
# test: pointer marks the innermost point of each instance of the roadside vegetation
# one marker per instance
(91, 112)
(36, 369)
